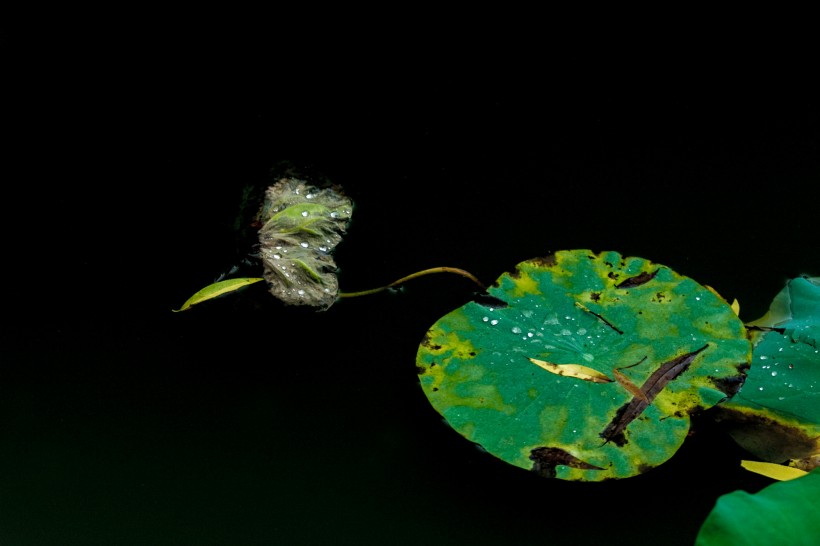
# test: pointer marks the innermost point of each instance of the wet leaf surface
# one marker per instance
(776, 414)
(583, 314)
(301, 226)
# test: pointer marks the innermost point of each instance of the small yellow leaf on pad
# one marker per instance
(572, 370)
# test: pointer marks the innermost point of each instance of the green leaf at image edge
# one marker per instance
(786, 512)
(776, 415)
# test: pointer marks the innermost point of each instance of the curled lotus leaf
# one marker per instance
(776, 414)
(300, 227)
(606, 326)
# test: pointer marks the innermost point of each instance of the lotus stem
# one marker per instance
(414, 276)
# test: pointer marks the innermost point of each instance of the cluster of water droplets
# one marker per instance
(778, 366)
(550, 333)
(296, 254)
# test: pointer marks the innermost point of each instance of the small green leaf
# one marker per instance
(217, 289)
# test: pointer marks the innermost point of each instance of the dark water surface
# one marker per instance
(245, 422)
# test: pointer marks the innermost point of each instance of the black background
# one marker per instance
(246, 422)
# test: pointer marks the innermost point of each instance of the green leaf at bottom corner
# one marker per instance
(217, 289)
(786, 512)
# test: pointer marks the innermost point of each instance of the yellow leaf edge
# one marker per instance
(217, 289)
(773, 470)
(735, 305)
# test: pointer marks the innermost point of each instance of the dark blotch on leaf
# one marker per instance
(429, 344)
(637, 280)
(730, 385)
(545, 459)
(489, 301)
(544, 261)
(778, 440)
(595, 296)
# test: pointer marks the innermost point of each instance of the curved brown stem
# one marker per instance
(413, 276)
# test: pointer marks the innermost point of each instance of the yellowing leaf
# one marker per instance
(773, 470)
(217, 289)
(572, 370)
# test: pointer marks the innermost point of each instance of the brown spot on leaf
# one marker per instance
(427, 342)
(730, 385)
(637, 280)
(544, 261)
(595, 296)
(545, 459)
(767, 438)
(490, 301)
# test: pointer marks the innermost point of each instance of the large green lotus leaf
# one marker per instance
(786, 512)
(776, 414)
(625, 350)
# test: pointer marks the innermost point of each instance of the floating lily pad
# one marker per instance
(776, 414)
(584, 366)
